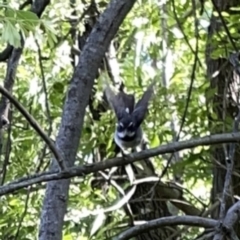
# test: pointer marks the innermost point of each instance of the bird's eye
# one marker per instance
(120, 127)
(130, 127)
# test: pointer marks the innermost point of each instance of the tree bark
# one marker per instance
(55, 202)
(224, 80)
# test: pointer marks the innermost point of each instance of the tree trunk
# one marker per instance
(55, 202)
(224, 80)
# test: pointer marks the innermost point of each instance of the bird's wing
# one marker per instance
(141, 107)
(121, 102)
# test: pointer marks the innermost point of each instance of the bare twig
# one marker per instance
(34, 125)
(133, 157)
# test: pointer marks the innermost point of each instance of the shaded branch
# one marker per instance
(167, 221)
(232, 216)
(133, 157)
(228, 177)
(34, 125)
(4, 55)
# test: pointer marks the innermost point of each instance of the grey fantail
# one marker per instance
(128, 133)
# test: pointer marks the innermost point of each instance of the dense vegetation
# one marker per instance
(55, 59)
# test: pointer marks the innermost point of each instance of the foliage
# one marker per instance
(16, 23)
(141, 44)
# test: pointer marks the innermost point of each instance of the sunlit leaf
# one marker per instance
(98, 223)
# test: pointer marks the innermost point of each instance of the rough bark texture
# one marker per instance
(224, 103)
(55, 202)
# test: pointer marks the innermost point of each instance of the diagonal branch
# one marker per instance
(167, 221)
(136, 156)
(34, 125)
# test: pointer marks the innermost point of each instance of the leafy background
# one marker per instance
(158, 40)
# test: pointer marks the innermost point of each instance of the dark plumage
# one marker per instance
(128, 133)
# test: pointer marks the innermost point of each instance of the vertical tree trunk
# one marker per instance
(224, 80)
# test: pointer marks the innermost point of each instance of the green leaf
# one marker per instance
(48, 26)
(98, 223)
(10, 13)
(28, 16)
(155, 141)
(67, 237)
(58, 87)
(27, 19)
(11, 35)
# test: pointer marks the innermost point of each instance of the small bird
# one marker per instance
(128, 133)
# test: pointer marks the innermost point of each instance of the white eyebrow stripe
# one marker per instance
(130, 124)
(127, 110)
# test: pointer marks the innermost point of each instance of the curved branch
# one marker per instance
(34, 125)
(167, 221)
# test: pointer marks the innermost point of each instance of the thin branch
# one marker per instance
(133, 157)
(8, 151)
(230, 164)
(179, 24)
(48, 112)
(23, 214)
(34, 125)
(196, 60)
(167, 221)
(225, 25)
(44, 85)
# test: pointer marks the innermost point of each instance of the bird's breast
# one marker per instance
(128, 141)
